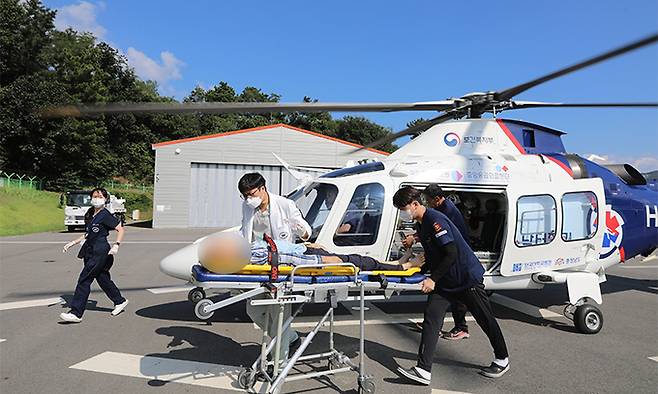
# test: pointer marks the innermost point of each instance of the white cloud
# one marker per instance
(642, 163)
(81, 17)
(168, 69)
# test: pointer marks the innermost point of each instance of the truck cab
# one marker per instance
(79, 201)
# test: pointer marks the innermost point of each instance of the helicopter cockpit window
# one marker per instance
(316, 202)
(360, 223)
(579, 213)
(535, 221)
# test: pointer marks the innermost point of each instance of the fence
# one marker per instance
(117, 186)
(20, 181)
(23, 181)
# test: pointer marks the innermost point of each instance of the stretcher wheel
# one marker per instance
(588, 319)
(195, 295)
(246, 379)
(366, 386)
(199, 309)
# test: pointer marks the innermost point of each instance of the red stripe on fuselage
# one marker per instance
(511, 136)
(564, 166)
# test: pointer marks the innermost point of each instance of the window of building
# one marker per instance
(360, 223)
(536, 218)
(579, 216)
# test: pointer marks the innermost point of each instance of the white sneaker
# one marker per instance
(70, 317)
(119, 308)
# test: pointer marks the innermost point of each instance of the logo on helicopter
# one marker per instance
(451, 139)
(614, 232)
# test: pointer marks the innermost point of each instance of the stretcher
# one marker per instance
(319, 284)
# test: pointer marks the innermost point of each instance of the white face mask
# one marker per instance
(97, 202)
(405, 215)
(254, 202)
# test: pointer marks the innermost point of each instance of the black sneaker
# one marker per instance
(416, 374)
(494, 371)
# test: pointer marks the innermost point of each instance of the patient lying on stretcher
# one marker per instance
(228, 253)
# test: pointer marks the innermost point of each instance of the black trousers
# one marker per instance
(364, 263)
(96, 266)
(477, 302)
(459, 310)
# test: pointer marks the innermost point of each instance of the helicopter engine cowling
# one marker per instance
(627, 173)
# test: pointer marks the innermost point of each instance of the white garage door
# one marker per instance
(214, 197)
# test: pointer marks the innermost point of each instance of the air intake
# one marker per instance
(627, 173)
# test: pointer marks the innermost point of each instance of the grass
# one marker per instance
(25, 211)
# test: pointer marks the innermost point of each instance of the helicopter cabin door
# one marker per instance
(552, 225)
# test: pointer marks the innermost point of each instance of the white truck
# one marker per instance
(79, 201)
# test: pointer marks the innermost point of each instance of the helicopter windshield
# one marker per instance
(315, 201)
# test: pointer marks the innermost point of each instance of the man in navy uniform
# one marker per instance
(436, 198)
(455, 275)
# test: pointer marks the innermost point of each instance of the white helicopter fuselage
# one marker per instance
(549, 234)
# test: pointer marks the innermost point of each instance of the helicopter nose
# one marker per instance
(179, 264)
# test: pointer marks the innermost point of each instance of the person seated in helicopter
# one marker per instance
(228, 253)
(351, 219)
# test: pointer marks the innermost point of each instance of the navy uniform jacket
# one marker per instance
(97, 231)
(449, 209)
(436, 232)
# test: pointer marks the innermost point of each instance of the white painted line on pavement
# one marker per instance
(655, 267)
(31, 303)
(655, 358)
(530, 310)
(165, 369)
(439, 391)
(309, 322)
(170, 289)
(64, 241)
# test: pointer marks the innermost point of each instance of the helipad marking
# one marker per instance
(169, 289)
(527, 309)
(31, 303)
(165, 369)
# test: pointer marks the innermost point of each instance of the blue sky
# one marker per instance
(377, 51)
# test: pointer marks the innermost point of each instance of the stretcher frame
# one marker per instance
(292, 291)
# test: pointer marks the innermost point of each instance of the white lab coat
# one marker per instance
(286, 220)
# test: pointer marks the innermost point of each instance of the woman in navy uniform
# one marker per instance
(455, 274)
(98, 257)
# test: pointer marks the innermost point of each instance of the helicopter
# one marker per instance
(537, 215)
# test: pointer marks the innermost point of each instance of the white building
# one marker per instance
(196, 178)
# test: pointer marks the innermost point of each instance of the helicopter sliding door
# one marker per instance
(552, 225)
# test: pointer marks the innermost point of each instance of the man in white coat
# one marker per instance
(267, 213)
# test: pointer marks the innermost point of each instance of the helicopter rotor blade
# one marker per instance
(239, 107)
(513, 91)
(539, 104)
(420, 127)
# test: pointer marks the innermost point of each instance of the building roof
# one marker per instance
(228, 133)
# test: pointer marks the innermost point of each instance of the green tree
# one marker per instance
(362, 131)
